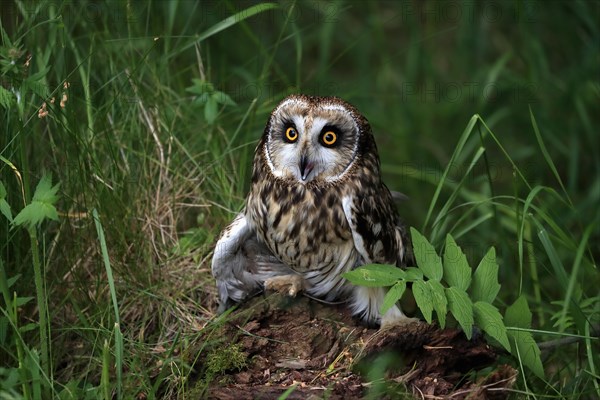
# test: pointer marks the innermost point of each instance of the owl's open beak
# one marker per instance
(305, 167)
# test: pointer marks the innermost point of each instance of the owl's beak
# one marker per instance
(305, 167)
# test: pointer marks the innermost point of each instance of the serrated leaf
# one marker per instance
(45, 192)
(201, 100)
(375, 275)
(522, 344)
(42, 205)
(33, 214)
(427, 259)
(413, 274)
(461, 308)
(485, 285)
(223, 98)
(392, 296)
(210, 110)
(457, 271)
(423, 298)
(439, 300)
(489, 319)
(518, 314)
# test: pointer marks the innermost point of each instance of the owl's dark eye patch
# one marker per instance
(290, 134)
(330, 136)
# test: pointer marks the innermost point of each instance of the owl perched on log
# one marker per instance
(317, 208)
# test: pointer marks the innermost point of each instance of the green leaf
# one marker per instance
(210, 110)
(28, 327)
(461, 307)
(223, 98)
(392, 296)
(485, 279)
(456, 268)
(524, 347)
(6, 98)
(489, 319)
(21, 301)
(4, 206)
(44, 192)
(33, 214)
(423, 298)
(413, 274)
(427, 259)
(518, 314)
(375, 275)
(41, 206)
(439, 300)
(522, 344)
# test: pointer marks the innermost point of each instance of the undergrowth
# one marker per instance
(146, 115)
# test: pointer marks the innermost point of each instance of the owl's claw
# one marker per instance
(288, 285)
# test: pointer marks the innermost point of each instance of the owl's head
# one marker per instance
(315, 139)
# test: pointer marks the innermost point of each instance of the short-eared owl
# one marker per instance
(317, 208)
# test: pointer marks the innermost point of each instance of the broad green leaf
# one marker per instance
(518, 314)
(456, 268)
(439, 300)
(524, 347)
(392, 296)
(489, 319)
(33, 214)
(413, 274)
(375, 275)
(41, 206)
(427, 259)
(485, 279)
(4, 206)
(522, 344)
(210, 109)
(223, 98)
(423, 298)
(461, 307)
(45, 192)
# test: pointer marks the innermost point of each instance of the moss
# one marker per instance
(225, 359)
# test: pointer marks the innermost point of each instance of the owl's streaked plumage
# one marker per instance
(317, 208)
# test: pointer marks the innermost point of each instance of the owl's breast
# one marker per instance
(303, 225)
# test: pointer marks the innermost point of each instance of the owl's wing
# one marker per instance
(241, 263)
(378, 233)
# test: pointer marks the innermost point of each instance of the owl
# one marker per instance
(317, 208)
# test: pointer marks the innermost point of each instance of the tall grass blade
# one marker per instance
(547, 156)
(113, 296)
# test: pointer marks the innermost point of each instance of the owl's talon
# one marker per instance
(288, 285)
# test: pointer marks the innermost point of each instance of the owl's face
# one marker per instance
(312, 138)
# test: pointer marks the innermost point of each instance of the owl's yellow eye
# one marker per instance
(329, 138)
(291, 134)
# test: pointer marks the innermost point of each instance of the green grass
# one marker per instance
(487, 119)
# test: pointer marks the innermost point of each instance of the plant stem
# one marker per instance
(41, 300)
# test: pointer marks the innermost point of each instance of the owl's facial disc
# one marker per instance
(308, 142)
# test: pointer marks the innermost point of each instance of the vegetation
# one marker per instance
(127, 137)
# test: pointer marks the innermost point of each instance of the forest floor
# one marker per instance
(323, 352)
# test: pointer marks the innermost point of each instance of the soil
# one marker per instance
(324, 353)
